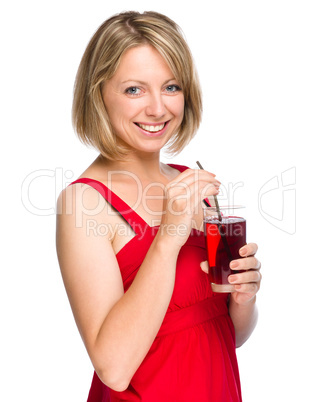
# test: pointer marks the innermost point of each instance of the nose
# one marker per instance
(156, 106)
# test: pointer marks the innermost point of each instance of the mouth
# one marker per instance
(153, 129)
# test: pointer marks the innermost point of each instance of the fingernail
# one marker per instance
(232, 279)
(243, 251)
(233, 264)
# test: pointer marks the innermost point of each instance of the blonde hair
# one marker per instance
(100, 61)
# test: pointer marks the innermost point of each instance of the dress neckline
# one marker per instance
(137, 223)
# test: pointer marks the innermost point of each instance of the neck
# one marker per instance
(145, 165)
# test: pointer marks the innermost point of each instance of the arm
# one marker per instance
(244, 318)
(242, 304)
(118, 328)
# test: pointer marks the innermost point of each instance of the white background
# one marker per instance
(257, 63)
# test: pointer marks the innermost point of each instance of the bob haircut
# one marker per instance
(100, 61)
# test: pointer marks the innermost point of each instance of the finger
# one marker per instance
(244, 297)
(248, 288)
(248, 249)
(245, 264)
(190, 176)
(199, 191)
(204, 266)
(195, 192)
(190, 188)
(245, 277)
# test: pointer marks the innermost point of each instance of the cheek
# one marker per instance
(121, 112)
(178, 106)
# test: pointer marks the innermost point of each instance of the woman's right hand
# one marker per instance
(183, 197)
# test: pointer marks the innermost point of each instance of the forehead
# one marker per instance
(142, 62)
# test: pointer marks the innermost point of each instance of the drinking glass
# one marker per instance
(224, 237)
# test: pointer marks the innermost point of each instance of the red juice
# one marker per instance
(223, 241)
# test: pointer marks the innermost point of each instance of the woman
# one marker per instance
(129, 238)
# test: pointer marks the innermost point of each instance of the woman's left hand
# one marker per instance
(246, 283)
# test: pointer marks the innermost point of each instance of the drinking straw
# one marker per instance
(215, 198)
(220, 227)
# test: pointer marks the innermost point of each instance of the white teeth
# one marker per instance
(152, 129)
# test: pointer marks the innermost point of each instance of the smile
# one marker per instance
(151, 128)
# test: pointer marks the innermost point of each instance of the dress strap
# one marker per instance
(132, 218)
(181, 168)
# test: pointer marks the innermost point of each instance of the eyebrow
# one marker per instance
(146, 83)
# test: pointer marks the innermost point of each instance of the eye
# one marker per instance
(173, 88)
(134, 91)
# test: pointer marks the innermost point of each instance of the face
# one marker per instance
(143, 99)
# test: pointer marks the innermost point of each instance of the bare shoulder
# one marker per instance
(81, 202)
(80, 198)
(79, 207)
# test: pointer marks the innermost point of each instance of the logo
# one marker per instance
(277, 201)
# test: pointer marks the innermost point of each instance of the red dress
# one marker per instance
(192, 358)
